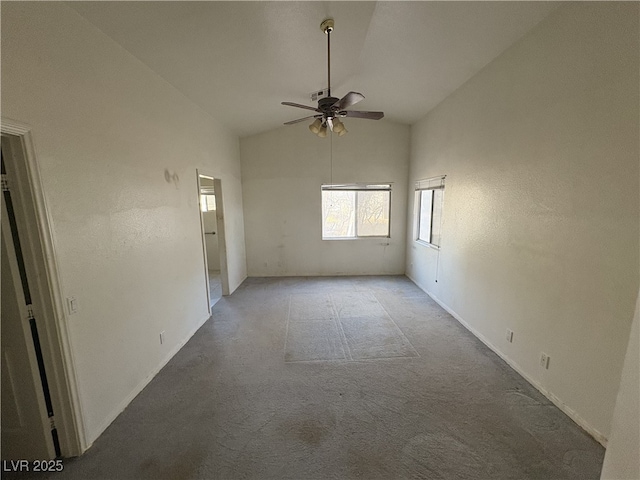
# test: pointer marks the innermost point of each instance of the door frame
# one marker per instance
(222, 240)
(38, 244)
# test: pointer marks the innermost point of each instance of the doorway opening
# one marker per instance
(213, 238)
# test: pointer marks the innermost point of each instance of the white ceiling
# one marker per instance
(239, 60)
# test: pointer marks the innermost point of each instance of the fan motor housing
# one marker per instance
(324, 104)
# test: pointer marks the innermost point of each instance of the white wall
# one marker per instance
(128, 242)
(541, 211)
(282, 172)
(622, 459)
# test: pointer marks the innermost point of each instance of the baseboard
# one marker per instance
(572, 414)
(340, 274)
(145, 381)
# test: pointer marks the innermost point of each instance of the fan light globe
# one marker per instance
(342, 132)
(322, 132)
(315, 126)
(338, 126)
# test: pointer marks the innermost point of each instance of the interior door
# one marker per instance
(25, 433)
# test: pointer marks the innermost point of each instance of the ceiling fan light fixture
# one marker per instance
(315, 126)
(330, 108)
(322, 132)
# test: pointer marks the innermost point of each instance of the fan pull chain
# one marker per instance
(331, 155)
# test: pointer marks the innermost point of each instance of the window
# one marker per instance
(429, 203)
(355, 211)
(207, 202)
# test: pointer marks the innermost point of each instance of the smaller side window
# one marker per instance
(429, 203)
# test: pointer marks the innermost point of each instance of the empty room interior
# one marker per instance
(320, 240)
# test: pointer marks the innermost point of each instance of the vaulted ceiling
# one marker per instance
(239, 60)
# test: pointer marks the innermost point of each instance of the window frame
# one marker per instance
(428, 185)
(359, 187)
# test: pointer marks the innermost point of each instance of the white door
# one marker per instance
(25, 433)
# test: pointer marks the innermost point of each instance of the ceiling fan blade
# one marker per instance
(361, 114)
(349, 99)
(290, 104)
(302, 119)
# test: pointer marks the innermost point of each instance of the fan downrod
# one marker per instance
(327, 27)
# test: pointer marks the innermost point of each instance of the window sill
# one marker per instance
(356, 238)
(427, 244)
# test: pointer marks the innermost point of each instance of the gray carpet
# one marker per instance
(337, 378)
(342, 326)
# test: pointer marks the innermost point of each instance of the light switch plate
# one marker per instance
(544, 360)
(509, 336)
(72, 305)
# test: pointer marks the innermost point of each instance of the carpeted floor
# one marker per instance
(337, 378)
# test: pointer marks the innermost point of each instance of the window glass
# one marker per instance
(359, 212)
(338, 214)
(207, 202)
(373, 213)
(426, 203)
(429, 215)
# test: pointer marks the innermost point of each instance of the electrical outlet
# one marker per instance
(509, 336)
(161, 337)
(544, 360)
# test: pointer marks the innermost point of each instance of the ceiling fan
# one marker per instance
(331, 109)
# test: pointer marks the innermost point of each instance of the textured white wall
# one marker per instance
(128, 242)
(541, 211)
(282, 171)
(622, 460)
